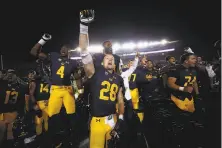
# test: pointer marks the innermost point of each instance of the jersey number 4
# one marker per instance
(60, 71)
(111, 88)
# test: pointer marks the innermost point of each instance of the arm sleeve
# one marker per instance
(120, 65)
(132, 68)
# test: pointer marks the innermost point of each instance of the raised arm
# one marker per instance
(86, 16)
(36, 49)
(132, 68)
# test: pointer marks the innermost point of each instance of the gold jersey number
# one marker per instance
(44, 88)
(60, 71)
(132, 77)
(11, 97)
(112, 89)
(189, 80)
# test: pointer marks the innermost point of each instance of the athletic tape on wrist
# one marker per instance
(83, 29)
(86, 59)
(42, 42)
(181, 88)
(121, 117)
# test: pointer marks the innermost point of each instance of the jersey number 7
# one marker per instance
(111, 88)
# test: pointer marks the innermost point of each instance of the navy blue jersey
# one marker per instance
(104, 88)
(42, 90)
(153, 85)
(185, 77)
(14, 98)
(137, 78)
(61, 69)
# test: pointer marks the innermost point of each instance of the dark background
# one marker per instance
(195, 23)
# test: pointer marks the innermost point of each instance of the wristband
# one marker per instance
(80, 91)
(87, 59)
(181, 88)
(42, 42)
(83, 29)
(121, 116)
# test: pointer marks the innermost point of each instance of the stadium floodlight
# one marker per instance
(75, 58)
(126, 46)
(149, 52)
(116, 47)
(163, 42)
(131, 54)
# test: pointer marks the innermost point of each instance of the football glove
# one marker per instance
(46, 37)
(86, 16)
(118, 129)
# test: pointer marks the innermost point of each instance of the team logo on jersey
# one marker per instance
(148, 76)
(59, 59)
(106, 73)
(110, 117)
(110, 79)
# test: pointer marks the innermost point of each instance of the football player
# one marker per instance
(106, 89)
(39, 94)
(107, 49)
(171, 61)
(12, 104)
(149, 90)
(182, 83)
(61, 91)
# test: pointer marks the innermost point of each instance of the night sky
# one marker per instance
(195, 23)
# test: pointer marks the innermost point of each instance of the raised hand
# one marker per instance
(87, 16)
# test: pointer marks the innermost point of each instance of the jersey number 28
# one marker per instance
(111, 88)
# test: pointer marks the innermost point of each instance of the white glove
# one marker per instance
(188, 50)
(46, 37)
(210, 71)
(87, 16)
